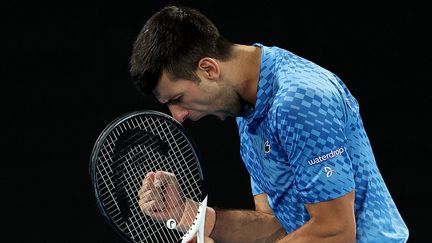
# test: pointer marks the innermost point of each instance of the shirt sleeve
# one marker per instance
(255, 188)
(311, 129)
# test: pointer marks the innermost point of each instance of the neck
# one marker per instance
(243, 70)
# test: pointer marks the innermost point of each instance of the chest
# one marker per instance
(265, 157)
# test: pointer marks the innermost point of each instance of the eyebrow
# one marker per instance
(156, 94)
(158, 98)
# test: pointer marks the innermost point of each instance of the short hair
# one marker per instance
(174, 40)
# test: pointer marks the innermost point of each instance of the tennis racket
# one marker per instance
(147, 178)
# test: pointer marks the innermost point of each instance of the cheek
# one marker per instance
(205, 98)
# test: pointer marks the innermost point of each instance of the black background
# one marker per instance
(64, 74)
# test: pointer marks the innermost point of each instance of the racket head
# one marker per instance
(158, 137)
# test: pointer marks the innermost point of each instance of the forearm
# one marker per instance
(330, 221)
(244, 226)
(316, 231)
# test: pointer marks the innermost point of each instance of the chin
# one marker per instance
(222, 118)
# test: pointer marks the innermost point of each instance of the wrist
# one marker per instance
(190, 208)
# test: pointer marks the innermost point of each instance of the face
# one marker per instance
(193, 100)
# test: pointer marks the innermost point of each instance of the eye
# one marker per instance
(176, 100)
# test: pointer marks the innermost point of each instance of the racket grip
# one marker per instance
(201, 223)
(198, 228)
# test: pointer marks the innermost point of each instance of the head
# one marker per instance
(171, 46)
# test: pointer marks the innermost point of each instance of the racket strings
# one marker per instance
(126, 168)
(189, 216)
(169, 201)
(130, 198)
(189, 157)
(179, 150)
(134, 173)
(131, 227)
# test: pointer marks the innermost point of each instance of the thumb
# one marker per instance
(206, 240)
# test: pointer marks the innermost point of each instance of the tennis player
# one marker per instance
(313, 173)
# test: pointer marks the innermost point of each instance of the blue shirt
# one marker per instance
(304, 142)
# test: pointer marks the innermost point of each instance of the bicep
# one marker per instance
(261, 203)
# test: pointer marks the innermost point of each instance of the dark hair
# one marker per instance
(174, 40)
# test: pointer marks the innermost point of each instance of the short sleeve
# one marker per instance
(255, 188)
(311, 129)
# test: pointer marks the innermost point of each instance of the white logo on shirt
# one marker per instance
(329, 171)
(325, 157)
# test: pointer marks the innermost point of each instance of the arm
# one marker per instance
(331, 221)
(161, 199)
(245, 225)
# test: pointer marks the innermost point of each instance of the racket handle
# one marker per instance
(200, 231)
(198, 228)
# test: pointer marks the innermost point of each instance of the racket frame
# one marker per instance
(198, 225)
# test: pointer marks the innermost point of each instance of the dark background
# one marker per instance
(64, 75)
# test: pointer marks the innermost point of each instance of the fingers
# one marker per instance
(159, 193)
(163, 178)
(166, 185)
(159, 183)
(145, 186)
(150, 195)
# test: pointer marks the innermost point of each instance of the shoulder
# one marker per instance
(304, 105)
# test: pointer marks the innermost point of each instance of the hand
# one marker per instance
(160, 197)
(206, 240)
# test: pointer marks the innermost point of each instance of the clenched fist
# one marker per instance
(161, 197)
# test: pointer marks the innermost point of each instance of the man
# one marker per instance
(313, 173)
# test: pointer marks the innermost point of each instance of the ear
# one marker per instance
(209, 68)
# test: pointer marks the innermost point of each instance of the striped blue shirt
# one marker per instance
(304, 142)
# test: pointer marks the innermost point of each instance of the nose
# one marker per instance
(178, 112)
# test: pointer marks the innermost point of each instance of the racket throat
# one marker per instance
(198, 225)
